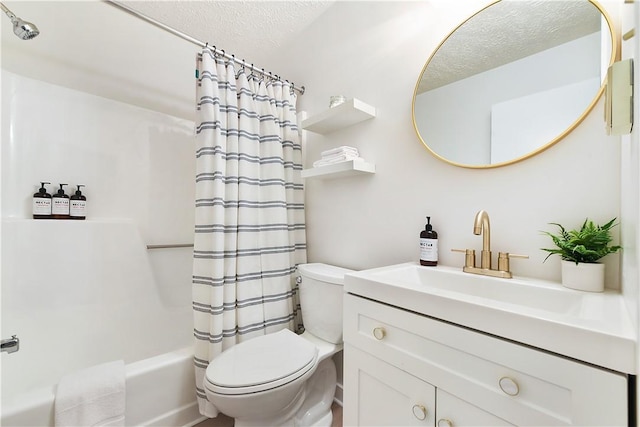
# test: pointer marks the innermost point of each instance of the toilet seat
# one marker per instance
(261, 363)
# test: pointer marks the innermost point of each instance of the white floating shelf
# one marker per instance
(347, 114)
(340, 170)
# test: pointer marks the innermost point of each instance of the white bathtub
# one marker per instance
(81, 293)
(160, 392)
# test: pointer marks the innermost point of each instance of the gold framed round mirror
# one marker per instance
(512, 80)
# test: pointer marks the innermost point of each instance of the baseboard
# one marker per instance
(187, 415)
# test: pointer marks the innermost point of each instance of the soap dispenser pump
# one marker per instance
(428, 245)
(78, 205)
(60, 206)
(42, 203)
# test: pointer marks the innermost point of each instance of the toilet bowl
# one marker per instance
(285, 379)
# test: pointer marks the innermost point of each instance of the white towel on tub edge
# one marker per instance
(93, 396)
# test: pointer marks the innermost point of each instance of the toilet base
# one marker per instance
(321, 389)
(310, 408)
(285, 418)
(324, 421)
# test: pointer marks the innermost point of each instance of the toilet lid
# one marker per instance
(261, 363)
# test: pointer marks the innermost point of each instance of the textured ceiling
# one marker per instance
(507, 31)
(247, 29)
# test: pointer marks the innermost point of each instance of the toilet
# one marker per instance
(285, 379)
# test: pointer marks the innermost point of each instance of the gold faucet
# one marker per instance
(481, 226)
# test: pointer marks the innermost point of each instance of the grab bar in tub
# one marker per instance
(177, 245)
(10, 345)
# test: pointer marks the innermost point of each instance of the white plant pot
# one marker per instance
(583, 276)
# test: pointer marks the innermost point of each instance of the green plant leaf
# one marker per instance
(588, 244)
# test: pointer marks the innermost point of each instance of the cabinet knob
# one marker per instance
(443, 422)
(379, 333)
(420, 412)
(509, 386)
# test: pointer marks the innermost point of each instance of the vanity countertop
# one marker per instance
(592, 327)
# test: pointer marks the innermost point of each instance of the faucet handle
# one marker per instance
(503, 260)
(469, 258)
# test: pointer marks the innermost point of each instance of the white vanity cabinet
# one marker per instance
(404, 368)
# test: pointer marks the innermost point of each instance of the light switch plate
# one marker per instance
(619, 98)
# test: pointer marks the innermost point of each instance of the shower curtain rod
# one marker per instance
(188, 38)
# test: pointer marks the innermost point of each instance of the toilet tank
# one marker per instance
(321, 293)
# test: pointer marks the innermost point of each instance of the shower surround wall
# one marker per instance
(80, 293)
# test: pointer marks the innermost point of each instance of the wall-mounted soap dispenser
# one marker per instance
(60, 204)
(78, 205)
(42, 203)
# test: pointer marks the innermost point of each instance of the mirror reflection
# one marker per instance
(512, 80)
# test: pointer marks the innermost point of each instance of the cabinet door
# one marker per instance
(454, 412)
(378, 394)
(517, 383)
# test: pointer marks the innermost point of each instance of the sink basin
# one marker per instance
(593, 327)
(542, 296)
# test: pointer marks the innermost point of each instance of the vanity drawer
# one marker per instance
(522, 385)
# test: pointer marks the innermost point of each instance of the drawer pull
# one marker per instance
(443, 422)
(509, 386)
(379, 333)
(420, 412)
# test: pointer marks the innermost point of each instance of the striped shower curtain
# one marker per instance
(249, 227)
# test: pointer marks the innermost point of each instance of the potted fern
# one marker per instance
(580, 251)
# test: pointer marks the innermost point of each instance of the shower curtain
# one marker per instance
(249, 226)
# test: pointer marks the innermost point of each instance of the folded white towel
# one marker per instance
(92, 397)
(345, 149)
(340, 156)
(339, 159)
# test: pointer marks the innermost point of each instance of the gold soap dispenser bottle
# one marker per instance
(428, 245)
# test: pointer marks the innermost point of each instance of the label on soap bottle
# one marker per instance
(78, 208)
(429, 250)
(41, 206)
(60, 206)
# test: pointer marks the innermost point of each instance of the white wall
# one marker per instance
(111, 117)
(138, 167)
(375, 51)
(135, 163)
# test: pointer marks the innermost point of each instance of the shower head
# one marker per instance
(23, 29)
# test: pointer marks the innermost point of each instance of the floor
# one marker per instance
(223, 421)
